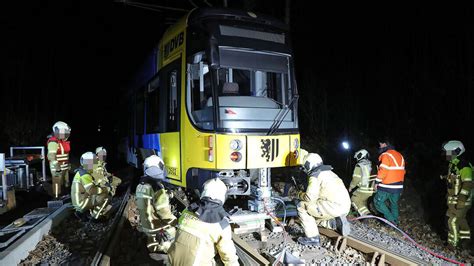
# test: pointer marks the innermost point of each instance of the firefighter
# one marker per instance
(459, 196)
(325, 203)
(156, 219)
(389, 181)
(100, 174)
(204, 229)
(361, 186)
(88, 198)
(58, 156)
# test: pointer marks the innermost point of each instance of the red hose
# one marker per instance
(406, 236)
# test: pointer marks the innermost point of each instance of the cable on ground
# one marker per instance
(406, 236)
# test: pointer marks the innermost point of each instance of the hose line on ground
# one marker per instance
(406, 236)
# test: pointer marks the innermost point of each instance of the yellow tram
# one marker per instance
(222, 102)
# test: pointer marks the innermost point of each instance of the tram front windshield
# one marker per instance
(252, 87)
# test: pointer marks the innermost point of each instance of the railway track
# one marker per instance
(374, 254)
(107, 247)
(106, 250)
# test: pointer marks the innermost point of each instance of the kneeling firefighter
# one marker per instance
(325, 203)
(156, 219)
(204, 229)
(101, 176)
(88, 198)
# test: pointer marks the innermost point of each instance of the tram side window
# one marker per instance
(153, 111)
(200, 93)
(173, 101)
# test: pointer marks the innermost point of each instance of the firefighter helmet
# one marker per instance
(361, 154)
(61, 127)
(454, 148)
(153, 166)
(214, 189)
(101, 153)
(311, 162)
(88, 160)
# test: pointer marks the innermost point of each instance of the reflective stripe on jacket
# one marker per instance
(153, 205)
(361, 177)
(391, 172)
(58, 150)
(197, 242)
(82, 190)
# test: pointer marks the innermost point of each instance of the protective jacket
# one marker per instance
(156, 218)
(104, 178)
(58, 153)
(85, 195)
(197, 242)
(326, 186)
(459, 197)
(391, 172)
(361, 177)
(325, 199)
(361, 186)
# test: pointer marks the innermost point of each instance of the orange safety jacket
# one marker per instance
(391, 172)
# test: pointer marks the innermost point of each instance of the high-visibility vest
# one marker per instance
(62, 154)
(391, 172)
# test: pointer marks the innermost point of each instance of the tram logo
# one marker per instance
(174, 43)
(269, 149)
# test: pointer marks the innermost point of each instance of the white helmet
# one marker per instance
(311, 161)
(88, 160)
(361, 154)
(154, 166)
(61, 128)
(214, 189)
(101, 153)
(454, 147)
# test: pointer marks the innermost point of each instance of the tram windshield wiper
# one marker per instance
(280, 116)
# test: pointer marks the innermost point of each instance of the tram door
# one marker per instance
(170, 86)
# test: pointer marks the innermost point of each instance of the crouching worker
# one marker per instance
(204, 229)
(88, 198)
(325, 203)
(100, 174)
(156, 219)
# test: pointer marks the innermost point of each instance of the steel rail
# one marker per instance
(247, 254)
(380, 254)
(103, 255)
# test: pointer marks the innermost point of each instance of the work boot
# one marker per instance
(309, 241)
(342, 225)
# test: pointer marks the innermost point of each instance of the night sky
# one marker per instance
(363, 71)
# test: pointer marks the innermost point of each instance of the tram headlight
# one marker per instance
(236, 145)
(236, 156)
